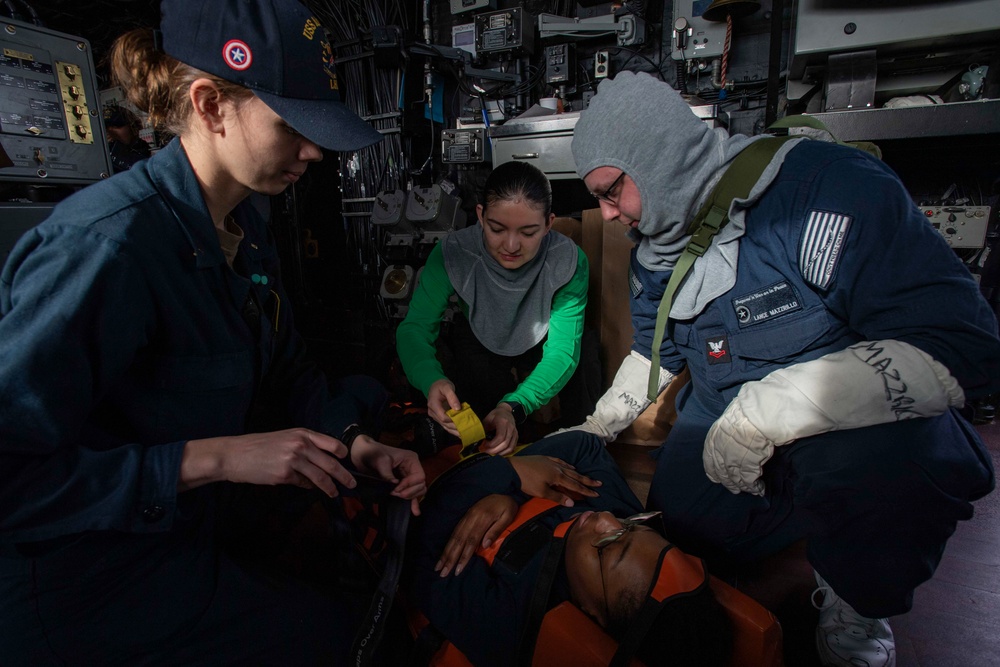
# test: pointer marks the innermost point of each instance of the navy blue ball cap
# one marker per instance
(277, 49)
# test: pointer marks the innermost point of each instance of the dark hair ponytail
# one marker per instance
(518, 180)
(158, 84)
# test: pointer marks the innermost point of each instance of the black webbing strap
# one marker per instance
(366, 641)
(540, 596)
(677, 575)
(736, 183)
(539, 602)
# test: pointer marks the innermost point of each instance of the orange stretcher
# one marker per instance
(569, 637)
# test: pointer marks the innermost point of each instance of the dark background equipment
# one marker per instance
(459, 86)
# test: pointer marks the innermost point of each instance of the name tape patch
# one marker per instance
(766, 304)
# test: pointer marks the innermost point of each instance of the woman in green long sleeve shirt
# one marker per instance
(522, 291)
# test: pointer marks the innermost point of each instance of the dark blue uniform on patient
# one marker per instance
(482, 610)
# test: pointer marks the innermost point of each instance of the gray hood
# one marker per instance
(644, 127)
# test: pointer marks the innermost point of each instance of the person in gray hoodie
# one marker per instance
(828, 364)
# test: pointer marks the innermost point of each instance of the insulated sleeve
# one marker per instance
(624, 400)
(870, 383)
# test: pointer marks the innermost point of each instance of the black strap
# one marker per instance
(370, 633)
(540, 601)
(427, 643)
(639, 626)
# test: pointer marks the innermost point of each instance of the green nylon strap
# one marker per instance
(802, 120)
(736, 183)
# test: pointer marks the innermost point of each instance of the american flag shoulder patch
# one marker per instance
(821, 247)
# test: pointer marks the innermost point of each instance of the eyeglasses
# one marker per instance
(612, 536)
(628, 523)
(606, 195)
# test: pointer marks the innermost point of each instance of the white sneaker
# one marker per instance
(845, 638)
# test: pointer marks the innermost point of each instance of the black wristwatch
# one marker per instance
(350, 435)
(519, 414)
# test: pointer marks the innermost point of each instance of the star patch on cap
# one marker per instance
(237, 55)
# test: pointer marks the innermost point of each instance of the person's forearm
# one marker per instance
(418, 332)
(201, 463)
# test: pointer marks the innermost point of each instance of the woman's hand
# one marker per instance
(441, 397)
(552, 478)
(501, 421)
(400, 466)
(482, 524)
(297, 456)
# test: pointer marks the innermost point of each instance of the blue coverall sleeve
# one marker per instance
(896, 277)
(63, 344)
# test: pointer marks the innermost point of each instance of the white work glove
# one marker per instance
(867, 384)
(624, 401)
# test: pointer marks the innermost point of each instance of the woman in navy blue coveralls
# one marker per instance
(831, 335)
(143, 330)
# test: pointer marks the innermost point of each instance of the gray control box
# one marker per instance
(464, 146)
(51, 124)
(961, 226)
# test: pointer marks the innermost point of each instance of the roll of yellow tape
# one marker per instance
(469, 427)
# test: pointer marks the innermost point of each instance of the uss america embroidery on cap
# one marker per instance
(822, 244)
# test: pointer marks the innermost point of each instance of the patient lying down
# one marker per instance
(490, 559)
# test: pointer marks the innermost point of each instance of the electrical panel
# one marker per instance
(464, 146)
(464, 37)
(961, 226)
(507, 31)
(601, 62)
(560, 63)
(694, 37)
(50, 115)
